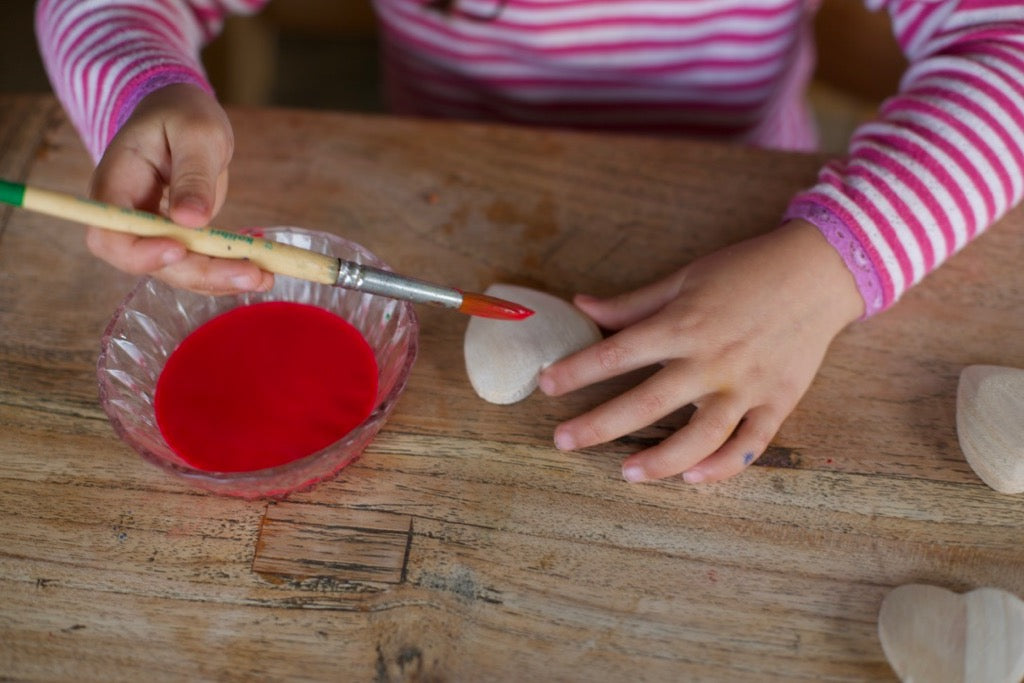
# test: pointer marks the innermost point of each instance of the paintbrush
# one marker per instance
(271, 256)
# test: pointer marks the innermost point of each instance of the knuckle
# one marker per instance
(761, 435)
(104, 245)
(216, 134)
(709, 432)
(651, 403)
(611, 355)
(788, 393)
(193, 178)
(191, 274)
(206, 283)
(756, 373)
(713, 424)
(200, 120)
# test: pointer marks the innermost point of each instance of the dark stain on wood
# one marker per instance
(779, 456)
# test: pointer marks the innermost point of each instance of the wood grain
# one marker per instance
(300, 542)
(462, 545)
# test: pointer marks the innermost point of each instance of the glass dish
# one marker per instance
(154, 318)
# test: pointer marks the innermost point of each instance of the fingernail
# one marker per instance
(634, 473)
(693, 477)
(564, 441)
(190, 211)
(172, 256)
(546, 384)
(197, 201)
(246, 282)
(192, 202)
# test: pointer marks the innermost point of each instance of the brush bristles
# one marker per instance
(492, 307)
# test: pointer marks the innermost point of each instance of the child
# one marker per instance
(740, 333)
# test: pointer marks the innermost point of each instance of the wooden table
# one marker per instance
(463, 546)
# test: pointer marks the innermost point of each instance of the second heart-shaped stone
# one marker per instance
(932, 634)
(990, 424)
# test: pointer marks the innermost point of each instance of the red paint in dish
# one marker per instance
(263, 385)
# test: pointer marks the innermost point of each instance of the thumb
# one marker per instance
(198, 185)
(626, 309)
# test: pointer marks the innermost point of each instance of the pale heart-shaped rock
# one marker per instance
(932, 635)
(504, 357)
(990, 424)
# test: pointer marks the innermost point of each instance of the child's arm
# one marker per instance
(742, 332)
(944, 160)
(129, 76)
(104, 56)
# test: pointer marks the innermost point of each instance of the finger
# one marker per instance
(746, 446)
(626, 309)
(661, 394)
(198, 180)
(131, 254)
(214, 276)
(631, 349)
(710, 427)
(123, 178)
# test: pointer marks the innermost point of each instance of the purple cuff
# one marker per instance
(143, 84)
(854, 255)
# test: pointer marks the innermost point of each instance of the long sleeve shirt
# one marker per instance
(943, 160)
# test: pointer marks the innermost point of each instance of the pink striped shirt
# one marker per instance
(943, 161)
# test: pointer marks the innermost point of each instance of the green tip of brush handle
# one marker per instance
(11, 193)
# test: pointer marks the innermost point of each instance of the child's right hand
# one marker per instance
(178, 140)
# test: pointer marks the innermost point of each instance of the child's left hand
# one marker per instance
(740, 333)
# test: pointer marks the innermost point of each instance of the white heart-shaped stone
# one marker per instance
(930, 634)
(990, 424)
(504, 357)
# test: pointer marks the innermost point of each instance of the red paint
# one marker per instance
(263, 385)
(493, 307)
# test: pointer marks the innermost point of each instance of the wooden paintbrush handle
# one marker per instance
(274, 257)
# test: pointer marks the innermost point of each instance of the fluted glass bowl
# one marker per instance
(154, 318)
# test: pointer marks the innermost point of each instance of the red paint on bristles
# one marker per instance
(492, 307)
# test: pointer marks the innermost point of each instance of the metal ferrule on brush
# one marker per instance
(363, 278)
